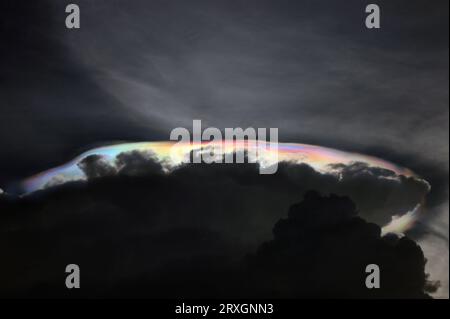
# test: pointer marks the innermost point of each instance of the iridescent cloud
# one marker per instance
(172, 154)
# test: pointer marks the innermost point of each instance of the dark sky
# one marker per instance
(137, 69)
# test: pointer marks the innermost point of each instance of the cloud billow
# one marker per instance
(379, 193)
(200, 231)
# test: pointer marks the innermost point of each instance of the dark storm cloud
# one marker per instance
(135, 70)
(132, 163)
(378, 193)
(309, 68)
(306, 67)
(137, 163)
(162, 237)
(95, 166)
(342, 245)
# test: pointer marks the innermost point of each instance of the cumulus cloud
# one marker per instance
(157, 237)
(138, 163)
(379, 193)
(249, 64)
(95, 166)
(133, 163)
(133, 230)
(322, 248)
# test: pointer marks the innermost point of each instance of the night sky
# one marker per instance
(137, 69)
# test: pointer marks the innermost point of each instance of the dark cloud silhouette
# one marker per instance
(134, 163)
(95, 166)
(194, 233)
(307, 67)
(138, 163)
(322, 249)
(379, 193)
